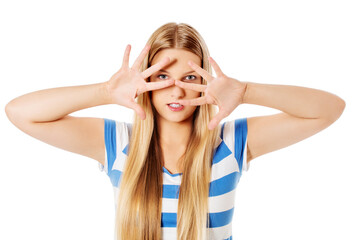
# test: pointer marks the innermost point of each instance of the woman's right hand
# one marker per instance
(128, 83)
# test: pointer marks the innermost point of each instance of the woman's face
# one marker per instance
(179, 69)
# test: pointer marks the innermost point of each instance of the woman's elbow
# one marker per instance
(337, 109)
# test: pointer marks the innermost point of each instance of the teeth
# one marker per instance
(175, 105)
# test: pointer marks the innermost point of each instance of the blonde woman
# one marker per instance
(176, 167)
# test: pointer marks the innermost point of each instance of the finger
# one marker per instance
(141, 57)
(216, 67)
(191, 86)
(158, 85)
(207, 76)
(216, 120)
(193, 102)
(154, 68)
(125, 63)
(137, 108)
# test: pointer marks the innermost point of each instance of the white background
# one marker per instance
(309, 190)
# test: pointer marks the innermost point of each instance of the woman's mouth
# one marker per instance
(175, 107)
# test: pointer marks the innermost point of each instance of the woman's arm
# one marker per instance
(300, 102)
(55, 103)
(44, 115)
(306, 112)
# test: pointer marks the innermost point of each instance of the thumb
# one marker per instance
(212, 124)
(137, 108)
(216, 120)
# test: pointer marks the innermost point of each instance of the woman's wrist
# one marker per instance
(105, 93)
(245, 92)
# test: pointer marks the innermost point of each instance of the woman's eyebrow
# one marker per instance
(162, 70)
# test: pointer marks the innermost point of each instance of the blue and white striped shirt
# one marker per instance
(229, 161)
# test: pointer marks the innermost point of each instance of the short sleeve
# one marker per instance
(110, 130)
(240, 143)
(116, 138)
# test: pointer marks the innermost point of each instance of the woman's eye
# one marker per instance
(192, 76)
(161, 75)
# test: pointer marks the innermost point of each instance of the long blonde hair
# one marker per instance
(138, 214)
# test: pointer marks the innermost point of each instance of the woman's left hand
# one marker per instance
(226, 92)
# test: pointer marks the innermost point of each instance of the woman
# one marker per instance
(176, 168)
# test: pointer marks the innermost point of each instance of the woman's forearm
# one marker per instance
(298, 101)
(54, 103)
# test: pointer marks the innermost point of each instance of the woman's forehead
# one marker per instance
(179, 56)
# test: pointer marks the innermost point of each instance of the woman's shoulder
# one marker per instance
(117, 132)
(231, 127)
(117, 124)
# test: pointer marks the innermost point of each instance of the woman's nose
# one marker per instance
(177, 91)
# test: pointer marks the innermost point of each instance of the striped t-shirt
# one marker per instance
(228, 163)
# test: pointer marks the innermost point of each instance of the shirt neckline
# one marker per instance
(173, 175)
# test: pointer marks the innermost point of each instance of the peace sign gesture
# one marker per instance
(226, 92)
